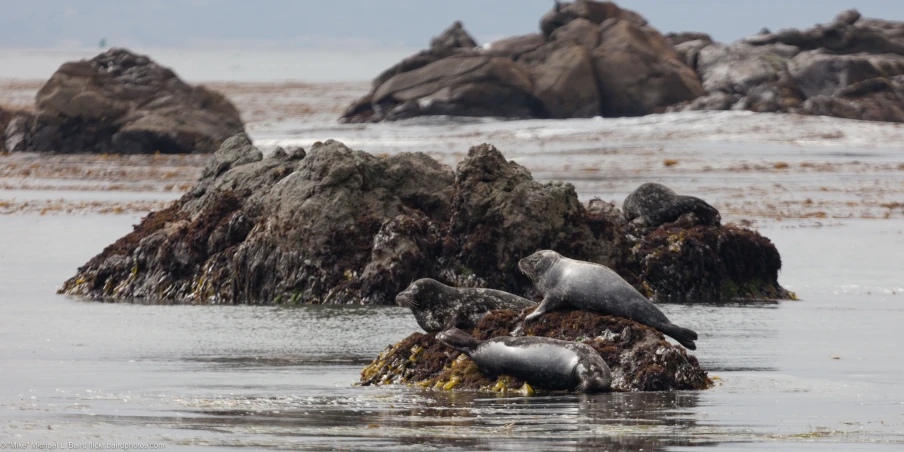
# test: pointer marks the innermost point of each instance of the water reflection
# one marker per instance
(461, 420)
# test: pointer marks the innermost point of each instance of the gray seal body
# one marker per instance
(541, 361)
(438, 307)
(654, 204)
(583, 285)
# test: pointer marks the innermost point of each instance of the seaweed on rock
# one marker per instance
(341, 226)
(706, 263)
(639, 357)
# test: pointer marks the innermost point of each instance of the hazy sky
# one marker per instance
(378, 23)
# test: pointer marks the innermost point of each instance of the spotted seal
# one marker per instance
(437, 306)
(541, 361)
(584, 285)
(654, 204)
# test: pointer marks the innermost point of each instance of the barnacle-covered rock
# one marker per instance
(639, 357)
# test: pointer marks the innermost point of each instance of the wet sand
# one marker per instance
(807, 170)
(816, 374)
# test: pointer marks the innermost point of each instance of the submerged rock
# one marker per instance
(639, 357)
(121, 102)
(592, 58)
(335, 225)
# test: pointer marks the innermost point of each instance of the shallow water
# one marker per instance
(818, 374)
(283, 377)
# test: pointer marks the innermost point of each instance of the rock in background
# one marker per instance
(592, 58)
(597, 59)
(639, 357)
(341, 226)
(850, 68)
(122, 103)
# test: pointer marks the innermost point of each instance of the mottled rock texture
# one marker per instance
(591, 58)
(851, 68)
(639, 357)
(124, 103)
(335, 225)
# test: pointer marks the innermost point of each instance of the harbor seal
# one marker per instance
(437, 306)
(583, 285)
(545, 362)
(654, 204)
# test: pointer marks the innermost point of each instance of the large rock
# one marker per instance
(877, 99)
(451, 41)
(592, 11)
(460, 86)
(120, 102)
(837, 69)
(742, 76)
(342, 226)
(818, 74)
(847, 34)
(639, 357)
(564, 81)
(639, 72)
(592, 58)
(514, 46)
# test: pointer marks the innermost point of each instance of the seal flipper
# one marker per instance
(684, 336)
(458, 340)
(541, 309)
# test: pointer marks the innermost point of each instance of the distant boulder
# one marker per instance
(590, 59)
(121, 102)
(846, 68)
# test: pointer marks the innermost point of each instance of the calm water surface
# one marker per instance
(819, 374)
(825, 370)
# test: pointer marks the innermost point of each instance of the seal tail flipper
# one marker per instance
(459, 340)
(684, 336)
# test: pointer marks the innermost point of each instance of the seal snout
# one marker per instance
(538, 263)
(407, 297)
(525, 267)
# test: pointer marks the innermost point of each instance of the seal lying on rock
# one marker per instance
(545, 362)
(438, 307)
(654, 204)
(583, 285)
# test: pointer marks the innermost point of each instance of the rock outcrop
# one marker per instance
(340, 226)
(639, 357)
(592, 58)
(849, 68)
(120, 102)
